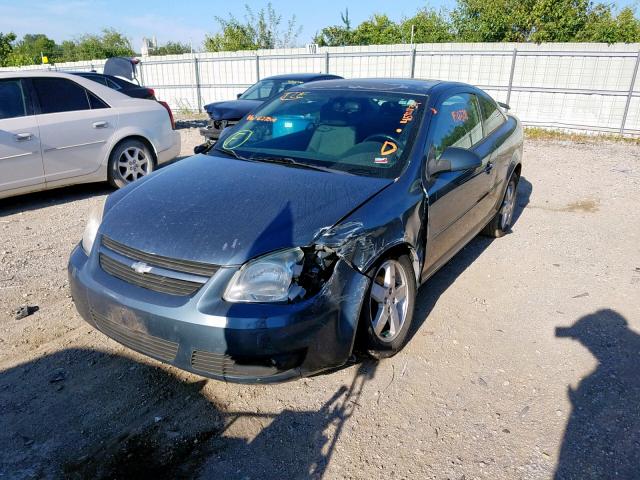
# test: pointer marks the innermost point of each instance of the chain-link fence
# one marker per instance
(587, 87)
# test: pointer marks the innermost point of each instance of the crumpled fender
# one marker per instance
(364, 236)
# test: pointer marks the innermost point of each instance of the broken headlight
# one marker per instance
(282, 276)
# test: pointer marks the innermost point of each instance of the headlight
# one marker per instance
(91, 230)
(266, 279)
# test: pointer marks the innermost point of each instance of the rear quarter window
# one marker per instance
(492, 117)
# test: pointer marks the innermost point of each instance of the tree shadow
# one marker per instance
(602, 437)
(87, 414)
(430, 292)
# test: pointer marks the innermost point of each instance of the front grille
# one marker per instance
(184, 266)
(135, 339)
(161, 274)
(214, 363)
(150, 281)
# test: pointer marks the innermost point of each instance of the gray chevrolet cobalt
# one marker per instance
(303, 234)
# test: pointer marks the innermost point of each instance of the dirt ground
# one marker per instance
(487, 387)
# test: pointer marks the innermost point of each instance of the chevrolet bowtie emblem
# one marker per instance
(141, 267)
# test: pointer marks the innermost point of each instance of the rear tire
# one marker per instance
(500, 225)
(388, 307)
(130, 160)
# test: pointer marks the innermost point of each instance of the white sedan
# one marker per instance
(58, 129)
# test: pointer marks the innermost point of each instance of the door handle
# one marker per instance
(489, 167)
(23, 137)
(100, 124)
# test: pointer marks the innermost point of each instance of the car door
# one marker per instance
(20, 156)
(75, 127)
(456, 199)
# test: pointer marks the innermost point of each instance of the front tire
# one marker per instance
(388, 308)
(500, 225)
(130, 160)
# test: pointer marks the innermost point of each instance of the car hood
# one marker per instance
(226, 211)
(232, 109)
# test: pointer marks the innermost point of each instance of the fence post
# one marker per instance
(257, 68)
(196, 70)
(513, 69)
(413, 62)
(139, 69)
(630, 94)
(326, 61)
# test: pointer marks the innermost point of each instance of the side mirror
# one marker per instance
(454, 159)
(239, 95)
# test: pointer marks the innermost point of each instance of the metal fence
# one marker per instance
(586, 87)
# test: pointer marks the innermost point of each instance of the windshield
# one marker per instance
(268, 88)
(363, 133)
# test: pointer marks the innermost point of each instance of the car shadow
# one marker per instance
(81, 413)
(602, 436)
(50, 198)
(430, 292)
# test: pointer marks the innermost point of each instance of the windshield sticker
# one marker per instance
(388, 148)
(253, 118)
(460, 115)
(408, 113)
(237, 139)
(380, 160)
(292, 95)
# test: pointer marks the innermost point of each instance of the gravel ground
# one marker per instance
(486, 388)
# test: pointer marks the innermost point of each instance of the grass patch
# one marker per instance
(535, 133)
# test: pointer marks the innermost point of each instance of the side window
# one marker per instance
(60, 95)
(458, 124)
(259, 91)
(113, 85)
(12, 99)
(492, 117)
(95, 101)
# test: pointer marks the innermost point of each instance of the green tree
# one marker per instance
(110, 43)
(172, 48)
(258, 30)
(336, 35)
(6, 47)
(492, 20)
(377, 30)
(32, 46)
(429, 26)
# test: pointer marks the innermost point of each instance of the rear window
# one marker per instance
(12, 100)
(62, 95)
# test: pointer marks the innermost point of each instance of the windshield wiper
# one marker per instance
(293, 162)
(230, 152)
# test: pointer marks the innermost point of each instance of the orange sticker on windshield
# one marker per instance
(252, 118)
(388, 148)
(292, 95)
(408, 113)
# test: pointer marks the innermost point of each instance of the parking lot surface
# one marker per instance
(523, 363)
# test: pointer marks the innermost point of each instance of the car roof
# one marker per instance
(305, 77)
(411, 86)
(109, 95)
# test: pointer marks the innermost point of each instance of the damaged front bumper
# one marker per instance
(247, 343)
(214, 128)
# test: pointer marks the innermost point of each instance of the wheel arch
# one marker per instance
(140, 138)
(396, 250)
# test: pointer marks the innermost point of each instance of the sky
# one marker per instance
(188, 21)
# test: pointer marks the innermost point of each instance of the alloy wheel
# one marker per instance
(508, 206)
(388, 300)
(133, 164)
